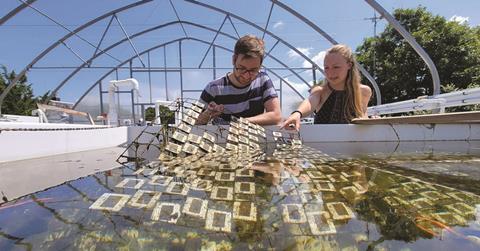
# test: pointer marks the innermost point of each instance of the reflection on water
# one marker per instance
(291, 199)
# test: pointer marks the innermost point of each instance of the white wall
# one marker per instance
(361, 133)
(24, 144)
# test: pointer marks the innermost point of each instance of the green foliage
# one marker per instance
(150, 114)
(20, 99)
(165, 115)
(402, 74)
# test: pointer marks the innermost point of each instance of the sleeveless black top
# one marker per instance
(332, 111)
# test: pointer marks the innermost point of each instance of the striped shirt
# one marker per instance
(244, 102)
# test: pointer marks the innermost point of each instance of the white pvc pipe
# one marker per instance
(112, 106)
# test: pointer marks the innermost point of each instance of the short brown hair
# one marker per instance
(250, 46)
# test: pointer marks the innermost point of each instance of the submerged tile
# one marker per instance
(461, 196)
(339, 211)
(421, 203)
(134, 202)
(225, 176)
(244, 173)
(244, 211)
(293, 213)
(461, 209)
(337, 178)
(245, 187)
(222, 193)
(206, 172)
(325, 186)
(160, 180)
(139, 171)
(201, 185)
(127, 183)
(350, 193)
(177, 188)
(195, 207)
(309, 197)
(434, 195)
(391, 200)
(219, 221)
(315, 174)
(449, 218)
(320, 224)
(166, 212)
(98, 204)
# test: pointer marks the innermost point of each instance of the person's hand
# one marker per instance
(214, 110)
(292, 122)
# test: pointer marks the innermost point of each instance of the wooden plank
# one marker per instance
(59, 109)
(65, 110)
(441, 118)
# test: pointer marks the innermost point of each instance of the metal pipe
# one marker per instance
(14, 12)
(128, 38)
(213, 41)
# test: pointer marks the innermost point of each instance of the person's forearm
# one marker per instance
(305, 108)
(203, 118)
(267, 118)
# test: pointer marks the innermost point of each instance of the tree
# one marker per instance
(166, 115)
(20, 99)
(150, 114)
(401, 73)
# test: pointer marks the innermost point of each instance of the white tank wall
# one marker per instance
(398, 132)
(363, 133)
(19, 145)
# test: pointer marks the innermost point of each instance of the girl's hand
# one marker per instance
(292, 122)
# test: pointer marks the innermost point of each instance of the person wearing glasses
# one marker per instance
(341, 98)
(245, 92)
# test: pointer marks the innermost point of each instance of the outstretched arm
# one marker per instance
(271, 116)
(304, 109)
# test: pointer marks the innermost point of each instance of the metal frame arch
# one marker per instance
(165, 44)
(46, 51)
(411, 40)
(15, 11)
(153, 29)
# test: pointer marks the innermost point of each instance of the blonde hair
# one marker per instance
(353, 104)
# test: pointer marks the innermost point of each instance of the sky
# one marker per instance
(27, 34)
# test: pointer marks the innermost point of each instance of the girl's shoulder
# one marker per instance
(318, 88)
(365, 90)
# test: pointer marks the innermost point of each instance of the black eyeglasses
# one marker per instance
(242, 71)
